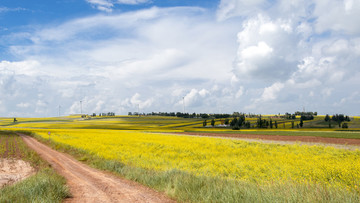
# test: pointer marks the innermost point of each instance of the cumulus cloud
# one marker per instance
(305, 47)
(270, 93)
(194, 98)
(260, 56)
(267, 49)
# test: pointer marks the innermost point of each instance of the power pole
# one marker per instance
(80, 107)
(59, 110)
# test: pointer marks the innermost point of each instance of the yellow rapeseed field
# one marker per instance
(215, 157)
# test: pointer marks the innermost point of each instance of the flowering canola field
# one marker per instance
(215, 157)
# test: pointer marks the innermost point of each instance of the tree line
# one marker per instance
(338, 118)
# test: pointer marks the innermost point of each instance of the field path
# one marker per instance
(90, 185)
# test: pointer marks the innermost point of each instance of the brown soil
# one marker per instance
(306, 139)
(90, 185)
(6, 148)
(12, 170)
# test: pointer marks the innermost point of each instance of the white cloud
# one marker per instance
(353, 98)
(327, 91)
(261, 56)
(107, 5)
(203, 93)
(136, 102)
(194, 98)
(270, 93)
(23, 105)
(6, 9)
(231, 8)
(102, 5)
(339, 16)
(261, 50)
(240, 92)
(132, 1)
(29, 68)
(267, 49)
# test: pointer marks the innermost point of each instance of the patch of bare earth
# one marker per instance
(13, 170)
(91, 185)
(283, 139)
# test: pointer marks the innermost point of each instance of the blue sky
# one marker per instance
(259, 56)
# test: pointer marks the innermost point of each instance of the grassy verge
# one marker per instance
(186, 187)
(44, 186)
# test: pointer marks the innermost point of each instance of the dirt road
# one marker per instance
(90, 185)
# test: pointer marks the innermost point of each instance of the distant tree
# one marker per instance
(204, 115)
(15, 120)
(247, 124)
(233, 122)
(345, 125)
(241, 120)
(226, 121)
(204, 123)
(307, 116)
(301, 122)
(292, 124)
(260, 122)
(334, 117)
(276, 124)
(265, 123)
(236, 127)
(271, 123)
(327, 118)
(212, 122)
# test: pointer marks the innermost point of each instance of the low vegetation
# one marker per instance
(44, 186)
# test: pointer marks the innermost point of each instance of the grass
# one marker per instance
(44, 186)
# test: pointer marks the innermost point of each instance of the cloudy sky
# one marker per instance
(258, 56)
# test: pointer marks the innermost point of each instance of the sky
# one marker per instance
(64, 57)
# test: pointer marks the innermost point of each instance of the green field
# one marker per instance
(316, 127)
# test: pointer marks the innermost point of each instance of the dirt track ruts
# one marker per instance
(90, 185)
